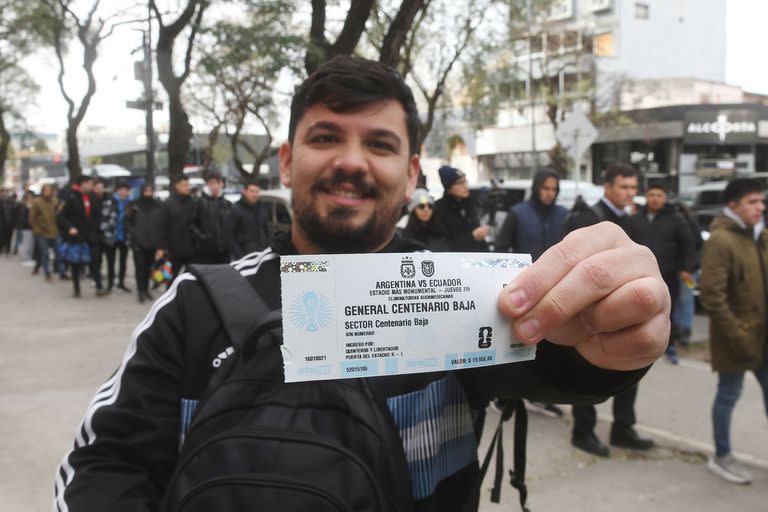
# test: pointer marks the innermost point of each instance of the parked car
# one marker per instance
(705, 202)
(281, 214)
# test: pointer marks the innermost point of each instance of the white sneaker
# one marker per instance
(728, 469)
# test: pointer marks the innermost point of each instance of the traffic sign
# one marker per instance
(142, 104)
(576, 133)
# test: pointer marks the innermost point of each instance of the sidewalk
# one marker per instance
(57, 351)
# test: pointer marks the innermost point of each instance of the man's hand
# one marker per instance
(480, 232)
(596, 291)
(72, 231)
(159, 254)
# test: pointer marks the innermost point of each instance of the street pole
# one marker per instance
(529, 8)
(150, 101)
(577, 149)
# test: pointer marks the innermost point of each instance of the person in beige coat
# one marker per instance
(42, 220)
(734, 291)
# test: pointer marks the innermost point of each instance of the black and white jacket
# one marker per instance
(126, 447)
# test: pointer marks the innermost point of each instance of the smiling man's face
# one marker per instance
(350, 174)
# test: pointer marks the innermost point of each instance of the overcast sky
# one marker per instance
(745, 66)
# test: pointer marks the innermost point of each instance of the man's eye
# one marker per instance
(323, 139)
(383, 146)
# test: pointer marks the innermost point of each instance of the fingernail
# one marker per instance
(517, 299)
(530, 329)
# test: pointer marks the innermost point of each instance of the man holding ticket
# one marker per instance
(594, 306)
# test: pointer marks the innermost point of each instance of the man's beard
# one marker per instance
(335, 233)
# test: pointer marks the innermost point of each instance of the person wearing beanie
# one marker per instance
(423, 224)
(456, 213)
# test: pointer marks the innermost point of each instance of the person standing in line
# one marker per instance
(115, 236)
(734, 291)
(42, 219)
(250, 228)
(685, 307)
(210, 231)
(174, 227)
(423, 225)
(7, 220)
(457, 214)
(98, 246)
(25, 246)
(532, 227)
(658, 226)
(619, 190)
(78, 223)
(139, 222)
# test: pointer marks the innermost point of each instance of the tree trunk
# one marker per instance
(319, 49)
(5, 141)
(73, 161)
(179, 129)
(213, 137)
(398, 31)
(179, 135)
(234, 141)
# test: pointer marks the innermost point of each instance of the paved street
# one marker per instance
(57, 351)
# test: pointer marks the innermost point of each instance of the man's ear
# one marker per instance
(413, 176)
(285, 156)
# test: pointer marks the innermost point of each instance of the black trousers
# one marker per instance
(179, 266)
(94, 265)
(111, 252)
(142, 260)
(585, 416)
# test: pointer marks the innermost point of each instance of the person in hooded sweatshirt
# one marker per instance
(532, 227)
(250, 229)
(535, 225)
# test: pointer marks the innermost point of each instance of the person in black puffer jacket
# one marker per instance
(210, 231)
(457, 214)
(139, 222)
(250, 228)
(174, 227)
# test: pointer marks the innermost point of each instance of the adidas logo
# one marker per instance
(222, 356)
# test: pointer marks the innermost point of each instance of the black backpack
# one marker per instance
(257, 443)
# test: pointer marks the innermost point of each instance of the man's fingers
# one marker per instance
(527, 289)
(629, 349)
(589, 282)
(631, 304)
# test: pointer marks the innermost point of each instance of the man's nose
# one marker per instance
(351, 159)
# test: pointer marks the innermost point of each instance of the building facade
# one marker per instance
(602, 56)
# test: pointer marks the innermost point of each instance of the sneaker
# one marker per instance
(546, 409)
(727, 468)
(671, 354)
(628, 438)
(124, 288)
(101, 292)
(590, 444)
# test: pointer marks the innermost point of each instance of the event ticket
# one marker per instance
(365, 315)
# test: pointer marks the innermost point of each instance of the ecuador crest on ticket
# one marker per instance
(366, 315)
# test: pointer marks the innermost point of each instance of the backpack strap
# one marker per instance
(241, 309)
(243, 314)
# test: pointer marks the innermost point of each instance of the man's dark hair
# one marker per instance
(658, 186)
(213, 175)
(83, 178)
(181, 178)
(121, 184)
(250, 184)
(346, 83)
(618, 169)
(740, 187)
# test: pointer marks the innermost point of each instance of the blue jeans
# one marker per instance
(729, 386)
(682, 317)
(44, 246)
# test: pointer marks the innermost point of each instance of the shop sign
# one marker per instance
(720, 127)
